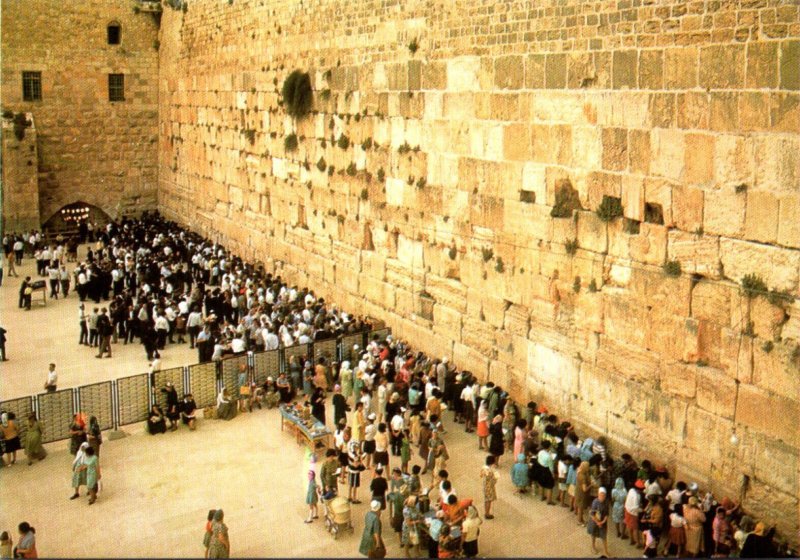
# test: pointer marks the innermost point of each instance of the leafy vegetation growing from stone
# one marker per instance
(571, 246)
(672, 268)
(364, 194)
(593, 286)
(487, 254)
(351, 169)
(653, 213)
(297, 94)
(610, 208)
(567, 200)
(366, 144)
(331, 170)
(250, 134)
(498, 265)
(404, 149)
(381, 175)
(325, 94)
(753, 285)
(576, 284)
(767, 347)
(702, 363)
(413, 46)
(749, 329)
(290, 142)
(778, 298)
(452, 252)
(741, 188)
(631, 227)
(343, 142)
(421, 182)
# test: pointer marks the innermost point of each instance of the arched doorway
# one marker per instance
(78, 219)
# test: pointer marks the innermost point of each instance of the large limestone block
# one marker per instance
(778, 158)
(736, 354)
(523, 218)
(624, 319)
(761, 222)
(668, 149)
(699, 159)
(516, 320)
(734, 160)
(681, 68)
(451, 293)
(724, 212)
(708, 436)
(776, 371)
(687, 207)
(777, 266)
(463, 73)
(627, 361)
(410, 252)
(716, 392)
(768, 413)
(592, 232)
(696, 253)
(471, 360)
(534, 180)
(633, 197)
(650, 246)
(447, 322)
(509, 72)
(589, 311)
(516, 142)
(680, 379)
(478, 335)
(554, 368)
(493, 310)
(777, 465)
(789, 220)
(587, 147)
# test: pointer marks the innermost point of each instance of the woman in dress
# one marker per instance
(94, 435)
(519, 475)
(582, 489)
(207, 535)
(695, 518)
(483, 427)
(381, 456)
(371, 537)
(618, 495)
(33, 440)
(496, 442)
(78, 472)
(409, 536)
(226, 408)
(509, 423)
(312, 496)
(355, 466)
(318, 404)
(677, 530)
(220, 546)
(27, 542)
(346, 380)
(156, 423)
(519, 437)
(11, 442)
(489, 476)
(92, 467)
(470, 530)
(598, 521)
(722, 533)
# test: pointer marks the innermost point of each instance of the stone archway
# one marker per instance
(67, 221)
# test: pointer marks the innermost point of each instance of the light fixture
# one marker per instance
(734, 438)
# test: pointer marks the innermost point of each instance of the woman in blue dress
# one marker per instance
(409, 537)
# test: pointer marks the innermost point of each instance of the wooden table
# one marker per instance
(318, 433)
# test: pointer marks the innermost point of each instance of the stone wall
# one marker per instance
(90, 149)
(20, 188)
(425, 181)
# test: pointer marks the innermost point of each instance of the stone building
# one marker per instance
(61, 63)
(594, 204)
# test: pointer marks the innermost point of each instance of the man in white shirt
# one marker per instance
(162, 330)
(396, 426)
(238, 345)
(53, 275)
(52, 379)
(270, 339)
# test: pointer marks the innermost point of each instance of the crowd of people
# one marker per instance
(388, 406)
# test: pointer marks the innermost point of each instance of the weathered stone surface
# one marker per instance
(696, 253)
(778, 267)
(768, 413)
(716, 392)
(724, 212)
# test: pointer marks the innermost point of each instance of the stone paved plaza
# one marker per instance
(158, 489)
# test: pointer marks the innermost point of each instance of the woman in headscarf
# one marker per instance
(371, 537)
(695, 518)
(346, 380)
(597, 525)
(409, 536)
(226, 408)
(722, 533)
(33, 440)
(509, 423)
(520, 433)
(77, 433)
(156, 423)
(519, 474)
(758, 544)
(618, 495)
(219, 545)
(94, 435)
(582, 490)
(78, 472)
(496, 442)
(470, 530)
(318, 404)
(11, 442)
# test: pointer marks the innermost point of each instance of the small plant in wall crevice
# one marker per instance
(297, 94)
(290, 142)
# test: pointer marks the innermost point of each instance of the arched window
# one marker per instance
(114, 33)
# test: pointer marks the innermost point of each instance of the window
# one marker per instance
(114, 34)
(116, 87)
(31, 86)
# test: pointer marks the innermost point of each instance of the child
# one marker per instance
(312, 497)
(564, 461)
(5, 546)
(650, 544)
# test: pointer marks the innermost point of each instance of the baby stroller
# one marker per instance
(337, 516)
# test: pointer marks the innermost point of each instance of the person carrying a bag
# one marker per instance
(372, 544)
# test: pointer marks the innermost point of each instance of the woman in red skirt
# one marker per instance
(677, 531)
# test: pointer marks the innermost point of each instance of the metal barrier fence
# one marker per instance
(127, 400)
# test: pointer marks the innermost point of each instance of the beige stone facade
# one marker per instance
(20, 189)
(687, 112)
(89, 149)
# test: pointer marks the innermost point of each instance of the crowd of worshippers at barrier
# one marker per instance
(160, 273)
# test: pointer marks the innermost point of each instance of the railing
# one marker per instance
(127, 400)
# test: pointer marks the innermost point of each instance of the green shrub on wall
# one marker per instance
(297, 94)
